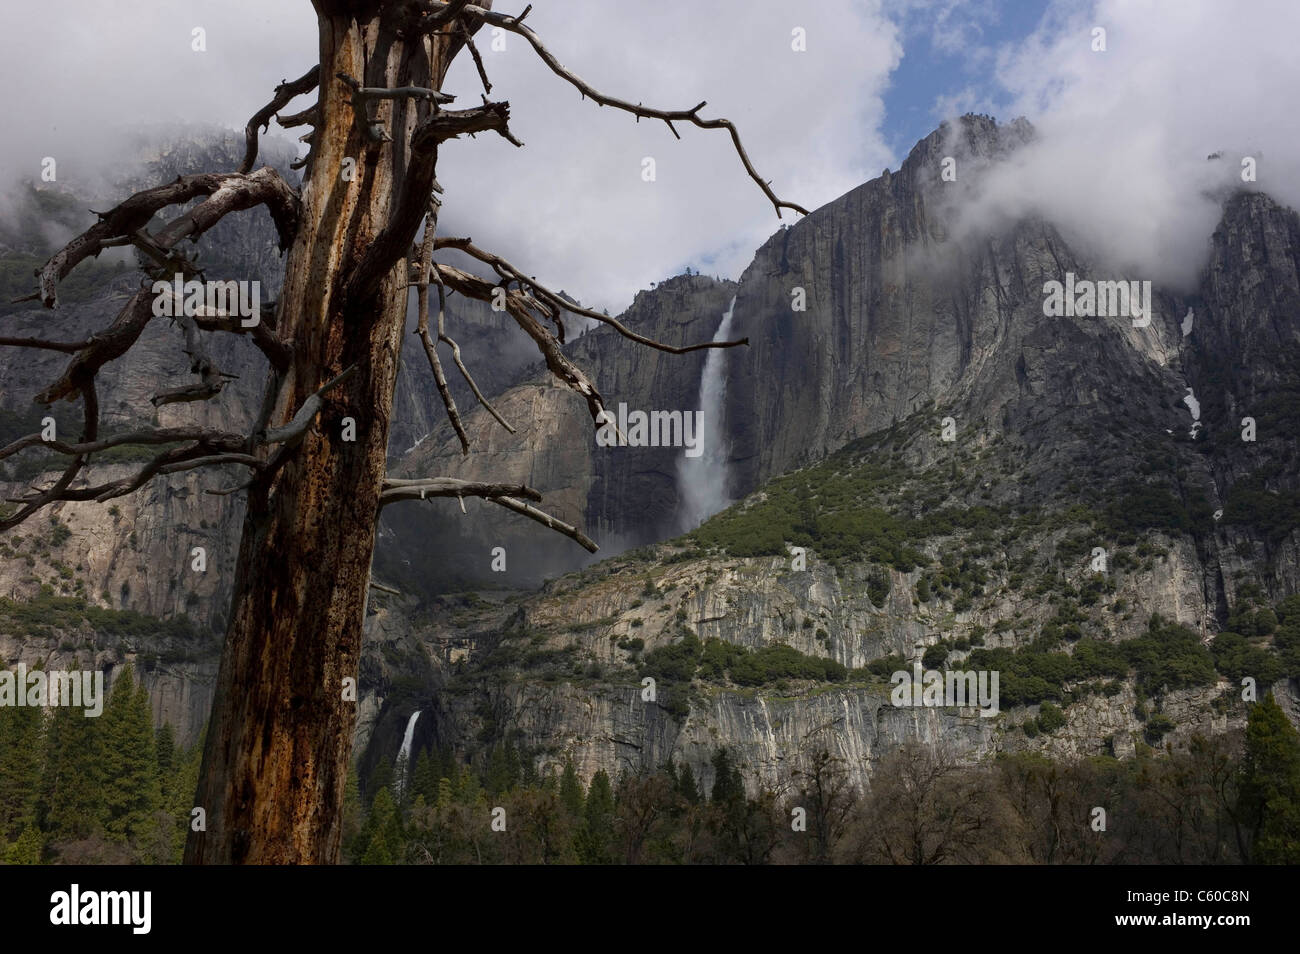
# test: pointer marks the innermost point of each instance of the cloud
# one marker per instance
(571, 207)
(1120, 161)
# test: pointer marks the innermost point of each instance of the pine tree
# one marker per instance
(130, 793)
(1270, 787)
(351, 814)
(22, 746)
(179, 793)
(73, 774)
(687, 786)
(381, 778)
(165, 750)
(728, 798)
(382, 835)
(571, 795)
(595, 841)
(728, 786)
(27, 849)
(423, 780)
(503, 771)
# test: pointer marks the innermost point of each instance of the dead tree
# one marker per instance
(280, 734)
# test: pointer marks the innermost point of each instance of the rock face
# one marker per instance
(558, 673)
(905, 326)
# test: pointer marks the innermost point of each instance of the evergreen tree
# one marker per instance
(381, 777)
(179, 793)
(73, 777)
(596, 840)
(423, 780)
(445, 765)
(165, 750)
(351, 814)
(27, 849)
(22, 746)
(1270, 786)
(731, 807)
(687, 787)
(382, 835)
(503, 770)
(728, 786)
(130, 793)
(467, 787)
(571, 795)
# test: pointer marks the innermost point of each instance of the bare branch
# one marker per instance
(104, 346)
(223, 440)
(67, 346)
(248, 460)
(293, 432)
(395, 489)
(504, 495)
(89, 431)
(515, 25)
(263, 187)
(362, 95)
(546, 520)
(517, 304)
(422, 327)
(126, 485)
(478, 59)
(394, 241)
(444, 15)
(263, 333)
(506, 270)
(450, 123)
(309, 116)
(284, 93)
(228, 192)
(212, 380)
(455, 354)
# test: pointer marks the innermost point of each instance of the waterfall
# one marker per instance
(702, 481)
(404, 753)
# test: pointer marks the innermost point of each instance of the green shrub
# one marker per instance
(936, 655)
(1157, 727)
(1050, 718)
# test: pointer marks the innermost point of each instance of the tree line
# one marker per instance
(114, 790)
(1224, 799)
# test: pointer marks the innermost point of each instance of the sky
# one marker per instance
(1120, 160)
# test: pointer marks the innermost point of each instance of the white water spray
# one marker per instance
(702, 481)
(404, 753)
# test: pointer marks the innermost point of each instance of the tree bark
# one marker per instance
(280, 735)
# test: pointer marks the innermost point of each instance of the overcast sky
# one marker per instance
(1125, 132)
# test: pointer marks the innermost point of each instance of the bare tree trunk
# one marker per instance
(280, 735)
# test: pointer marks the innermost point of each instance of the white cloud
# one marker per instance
(1120, 163)
(570, 207)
